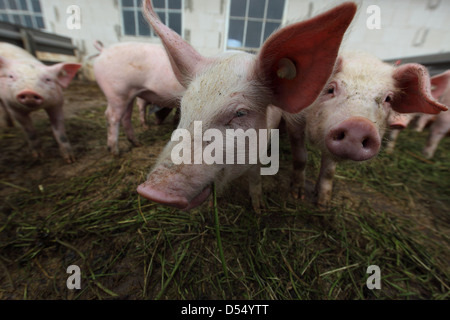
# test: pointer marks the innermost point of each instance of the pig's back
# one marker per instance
(13, 52)
(138, 65)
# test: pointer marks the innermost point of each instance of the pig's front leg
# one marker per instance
(438, 131)
(299, 158)
(25, 121)
(393, 135)
(255, 188)
(127, 125)
(7, 116)
(56, 116)
(142, 106)
(324, 184)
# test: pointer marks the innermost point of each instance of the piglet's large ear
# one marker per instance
(185, 60)
(439, 84)
(414, 94)
(65, 72)
(298, 60)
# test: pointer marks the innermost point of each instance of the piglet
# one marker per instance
(441, 125)
(350, 116)
(130, 70)
(235, 90)
(27, 85)
(397, 122)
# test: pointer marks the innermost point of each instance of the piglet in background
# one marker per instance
(397, 122)
(130, 70)
(27, 85)
(235, 90)
(349, 119)
(441, 125)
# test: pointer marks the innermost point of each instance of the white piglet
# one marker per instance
(130, 70)
(235, 91)
(27, 85)
(441, 125)
(348, 120)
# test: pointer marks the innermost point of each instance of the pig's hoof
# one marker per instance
(298, 194)
(114, 151)
(323, 205)
(70, 159)
(37, 154)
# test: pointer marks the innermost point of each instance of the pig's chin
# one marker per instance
(181, 202)
(199, 199)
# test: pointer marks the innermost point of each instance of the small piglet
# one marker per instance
(27, 85)
(235, 91)
(441, 125)
(348, 120)
(129, 70)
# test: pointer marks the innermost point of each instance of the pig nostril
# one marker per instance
(36, 97)
(340, 136)
(365, 143)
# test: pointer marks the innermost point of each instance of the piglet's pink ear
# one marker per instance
(414, 95)
(298, 60)
(65, 72)
(439, 84)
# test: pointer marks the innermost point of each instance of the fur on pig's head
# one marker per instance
(362, 98)
(234, 90)
(22, 78)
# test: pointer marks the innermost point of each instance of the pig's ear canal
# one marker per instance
(66, 72)
(414, 91)
(297, 61)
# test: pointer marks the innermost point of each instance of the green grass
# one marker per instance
(392, 212)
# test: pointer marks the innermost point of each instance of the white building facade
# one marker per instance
(389, 29)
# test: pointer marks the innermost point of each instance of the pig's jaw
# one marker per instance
(150, 192)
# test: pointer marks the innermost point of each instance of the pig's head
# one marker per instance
(29, 85)
(362, 98)
(234, 90)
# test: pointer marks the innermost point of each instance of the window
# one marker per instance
(252, 22)
(27, 13)
(134, 23)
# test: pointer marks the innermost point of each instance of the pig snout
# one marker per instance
(169, 188)
(29, 98)
(354, 139)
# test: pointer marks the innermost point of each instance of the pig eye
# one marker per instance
(331, 89)
(389, 97)
(48, 80)
(11, 76)
(241, 113)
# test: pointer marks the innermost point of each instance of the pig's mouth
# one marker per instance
(200, 198)
(149, 192)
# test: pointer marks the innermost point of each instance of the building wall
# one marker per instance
(408, 27)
